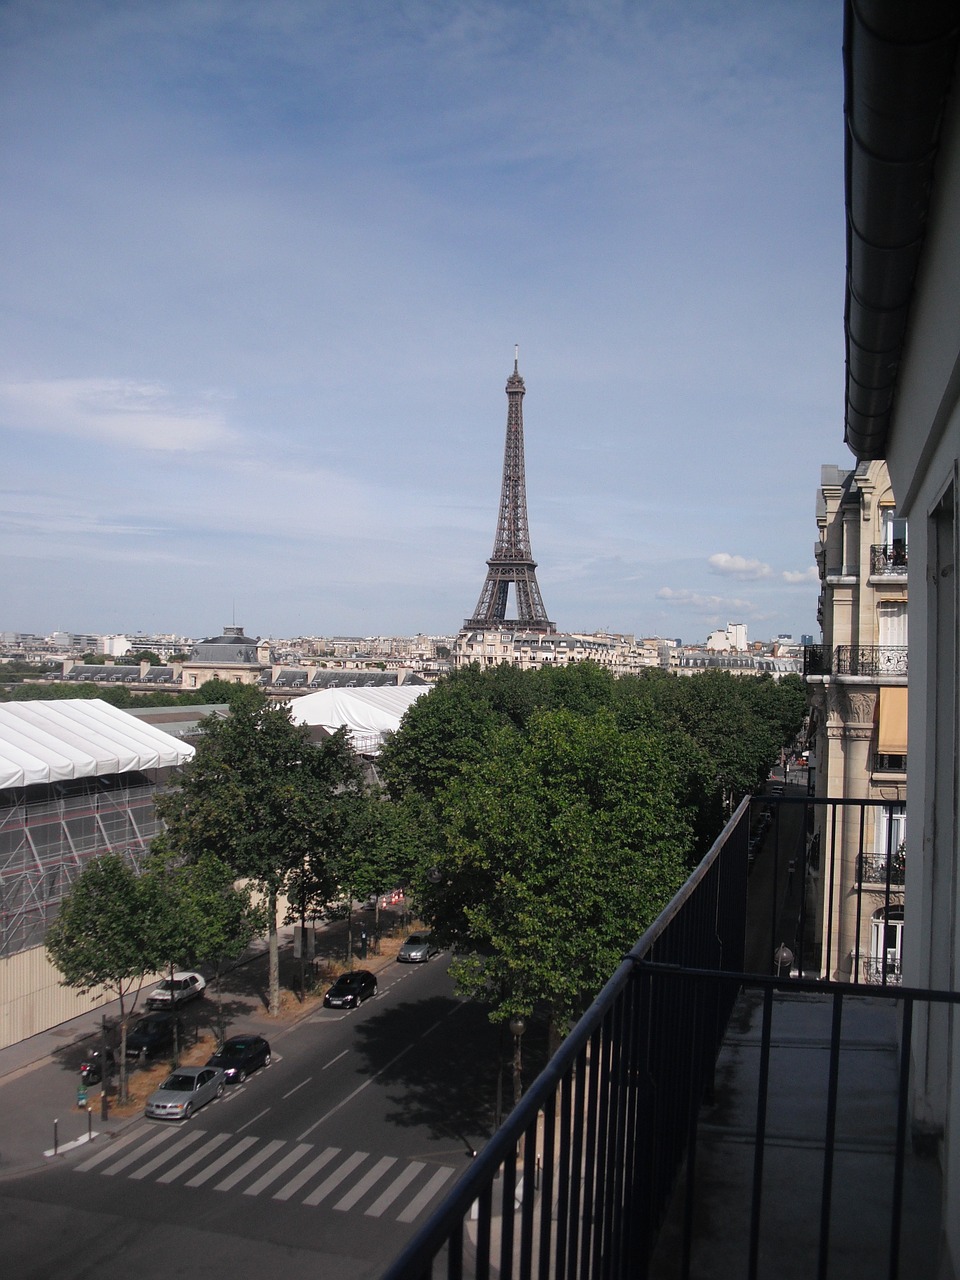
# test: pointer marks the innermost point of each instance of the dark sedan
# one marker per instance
(350, 990)
(240, 1055)
(153, 1034)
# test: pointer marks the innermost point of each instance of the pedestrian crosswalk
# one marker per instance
(302, 1172)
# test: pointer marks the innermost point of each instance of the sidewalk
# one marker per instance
(39, 1076)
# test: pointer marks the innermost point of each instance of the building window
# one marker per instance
(887, 762)
(886, 945)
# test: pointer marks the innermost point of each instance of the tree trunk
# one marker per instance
(123, 1053)
(274, 956)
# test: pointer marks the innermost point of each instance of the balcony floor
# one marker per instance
(793, 1153)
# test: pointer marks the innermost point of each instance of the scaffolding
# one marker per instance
(49, 833)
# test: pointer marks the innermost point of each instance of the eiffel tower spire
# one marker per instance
(512, 560)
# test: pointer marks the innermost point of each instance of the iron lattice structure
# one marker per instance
(512, 560)
(49, 833)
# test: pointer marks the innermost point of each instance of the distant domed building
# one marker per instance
(233, 657)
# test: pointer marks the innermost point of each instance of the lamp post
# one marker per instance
(518, 1026)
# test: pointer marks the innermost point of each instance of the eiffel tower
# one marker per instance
(512, 559)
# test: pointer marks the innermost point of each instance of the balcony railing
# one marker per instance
(877, 868)
(596, 1166)
(888, 562)
(875, 661)
(817, 660)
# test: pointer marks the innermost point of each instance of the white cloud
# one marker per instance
(795, 577)
(117, 411)
(711, 604)
(739, 567)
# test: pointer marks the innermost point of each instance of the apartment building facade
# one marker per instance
(857, 690)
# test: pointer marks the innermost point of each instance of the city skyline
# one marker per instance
(266, 272)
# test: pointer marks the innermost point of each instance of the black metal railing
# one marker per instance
(817, 660)
(600, 1152)
(881, 868)
(870, 660)
(875, 660)
(888, 561)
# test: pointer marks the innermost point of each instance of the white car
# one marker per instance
(176, 991)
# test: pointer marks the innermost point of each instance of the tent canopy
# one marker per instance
(367, 714)
(58, 741)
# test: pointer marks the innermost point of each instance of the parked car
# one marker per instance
(176, 991)
(91, 1069)
(183, 1092)
(152, 1035)
(350, 990)
(240, 1055)
(417, 949)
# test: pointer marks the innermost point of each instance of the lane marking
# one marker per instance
(278, 1169)
(221, 1162)
(328, 1185)
(386, 1067)
(423, 1197)
(248, 1166)
(299, 1086)
(253, 1121)
(337, 1058)
(366, 1182)
(304, 1176)
(398, 1185)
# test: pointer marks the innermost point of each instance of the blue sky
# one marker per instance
(266, 265)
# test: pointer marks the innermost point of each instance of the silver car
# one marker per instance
(185, 1091)
(418, 949)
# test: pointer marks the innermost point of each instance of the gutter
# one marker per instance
(899, 62)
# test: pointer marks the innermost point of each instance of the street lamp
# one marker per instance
(518, 1026)
(783, 958)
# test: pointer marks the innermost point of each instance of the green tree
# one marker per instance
(259, 794)
(210, 919)
(111, 932)
(554, 851)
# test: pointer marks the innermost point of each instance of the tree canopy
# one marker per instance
(262, 797)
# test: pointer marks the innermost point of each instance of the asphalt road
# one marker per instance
(328, 1158)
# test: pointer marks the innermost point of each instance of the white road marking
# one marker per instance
(426, 1195)
(366, 1182)
(399, 1184)
(111, 1149)
(338, 1175)
(194, 1158)
(222, 1161)
(135, 1154)
(253, 1121)
(71, 1146)
(299, 1086)
(303, 1177)
(186, 1141)
(337, 1058)
(248, 1166)
(278, 1169)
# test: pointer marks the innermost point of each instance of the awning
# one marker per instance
(893, 721)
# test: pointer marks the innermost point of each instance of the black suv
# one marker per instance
(152, 1035)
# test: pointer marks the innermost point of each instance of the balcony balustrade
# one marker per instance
(614, 1163)
(874, 661)
(888, 562)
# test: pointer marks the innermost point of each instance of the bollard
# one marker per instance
(55, 1138)
(89, 1126)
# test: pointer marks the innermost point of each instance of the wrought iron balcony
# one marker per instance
(817, 660)
(646, 1148)
(873, 660)
(888, 562)
(877, 868)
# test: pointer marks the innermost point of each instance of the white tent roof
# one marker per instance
(367, 713)
(43, 742)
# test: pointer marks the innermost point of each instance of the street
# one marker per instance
(328, 1157)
